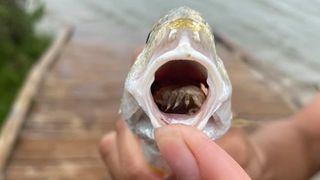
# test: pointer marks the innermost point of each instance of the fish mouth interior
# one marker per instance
(180, 87)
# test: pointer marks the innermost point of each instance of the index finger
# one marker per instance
(211, 160)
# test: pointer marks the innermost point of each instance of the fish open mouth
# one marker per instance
(180, 88)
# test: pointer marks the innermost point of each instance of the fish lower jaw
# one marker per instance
(171, 118)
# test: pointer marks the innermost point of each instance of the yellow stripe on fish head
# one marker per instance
(186, 23)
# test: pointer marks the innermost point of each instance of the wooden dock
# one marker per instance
(78, 99)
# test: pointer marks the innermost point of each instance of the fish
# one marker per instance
(178, 78)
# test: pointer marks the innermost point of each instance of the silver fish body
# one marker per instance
(178, 78)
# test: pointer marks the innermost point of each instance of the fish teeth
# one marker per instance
(172, 99)
(187, 100)
(204, 89)
(168, 106)
(197, 100)
(178, 100)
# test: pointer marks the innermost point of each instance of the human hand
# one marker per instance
(188, 152)
(245, 150)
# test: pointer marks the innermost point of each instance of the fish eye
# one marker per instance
(148, 37)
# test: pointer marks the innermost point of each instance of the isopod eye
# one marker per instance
(148, 37)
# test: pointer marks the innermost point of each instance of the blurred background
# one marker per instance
(20, 47)
(284, 34)
(78, 98)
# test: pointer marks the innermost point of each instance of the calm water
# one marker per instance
(285, 34)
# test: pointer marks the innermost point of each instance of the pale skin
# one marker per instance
(287, 149)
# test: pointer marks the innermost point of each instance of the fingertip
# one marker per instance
(106, 143)
(121, 125)
(109, 153)
(167, 132)
(176, 153)
(209, 154)
(187, 149)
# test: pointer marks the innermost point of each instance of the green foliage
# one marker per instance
(20, 47)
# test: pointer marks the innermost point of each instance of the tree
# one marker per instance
(20, 46)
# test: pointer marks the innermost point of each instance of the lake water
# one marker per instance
(284, 34)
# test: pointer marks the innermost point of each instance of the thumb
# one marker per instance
(191, 155)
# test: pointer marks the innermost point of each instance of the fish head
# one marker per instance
(178, 77)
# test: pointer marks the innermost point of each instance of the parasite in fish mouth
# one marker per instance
(179, 100)
(179, 87)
